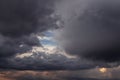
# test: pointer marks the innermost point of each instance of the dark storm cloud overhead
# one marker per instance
(23, 17)
(20, 21)
(92, 29)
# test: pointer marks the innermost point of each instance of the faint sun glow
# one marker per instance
(103, 70)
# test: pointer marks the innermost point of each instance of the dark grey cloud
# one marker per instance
(10, 46)
(23, 17)
(20, 21)
(42, 62)
(91, 29)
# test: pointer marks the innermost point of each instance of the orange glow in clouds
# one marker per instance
(103, 70)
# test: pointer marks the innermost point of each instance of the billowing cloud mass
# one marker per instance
(20, 21)
(91, 29)
(42, 62)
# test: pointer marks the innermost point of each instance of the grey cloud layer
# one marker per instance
(91, 29)
(42, 62)
(93, 74)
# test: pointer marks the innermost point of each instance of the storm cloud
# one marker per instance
(91, 29)
(44, 62)
(20, 23)
(23, 17)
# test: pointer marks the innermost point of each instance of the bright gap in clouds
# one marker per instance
(49, 46)
(47, 39)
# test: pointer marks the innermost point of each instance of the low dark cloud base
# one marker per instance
(111, 54)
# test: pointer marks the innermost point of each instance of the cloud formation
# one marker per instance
(85, 33)
(91, 29)
(23, 17)
(20, 21)
(42, 62)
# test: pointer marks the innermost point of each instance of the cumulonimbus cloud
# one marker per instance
(20, 21)
(91, 29)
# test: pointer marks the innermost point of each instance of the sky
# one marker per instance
(59, 40)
